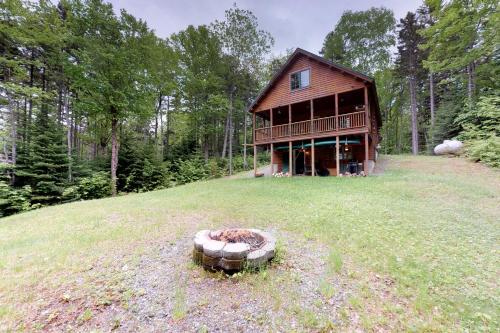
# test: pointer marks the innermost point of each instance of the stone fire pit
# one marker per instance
(233, 249)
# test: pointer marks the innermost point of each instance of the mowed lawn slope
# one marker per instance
(419, 243)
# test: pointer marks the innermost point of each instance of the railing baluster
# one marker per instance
(319, 125)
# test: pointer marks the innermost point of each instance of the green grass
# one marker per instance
(429, 225)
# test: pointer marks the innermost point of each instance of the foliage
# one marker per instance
(481, 130)
(446, 114)
(362, 40)
(43, 163)
(85, 88)
(482, 121)
(94, 187)
(485, 150)
(464, 31)
(191, 170)
(14, 200)
(395, 121)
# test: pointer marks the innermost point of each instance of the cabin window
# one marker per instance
(299, 80)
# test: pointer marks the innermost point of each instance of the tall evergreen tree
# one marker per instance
(409, 66)
(45, 167)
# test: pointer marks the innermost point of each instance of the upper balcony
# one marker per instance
(332, 115)
(333, 125)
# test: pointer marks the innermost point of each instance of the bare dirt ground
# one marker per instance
(161, 290)
(173, 295)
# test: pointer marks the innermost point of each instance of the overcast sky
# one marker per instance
(293, 23)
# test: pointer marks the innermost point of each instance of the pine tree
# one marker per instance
(45, 167)
(409, 67)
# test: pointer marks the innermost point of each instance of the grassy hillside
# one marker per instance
(415, 248)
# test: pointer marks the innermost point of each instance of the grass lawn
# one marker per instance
(416, 248)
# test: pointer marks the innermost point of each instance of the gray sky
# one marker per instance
(293, 23)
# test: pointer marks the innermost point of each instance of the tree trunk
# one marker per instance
(167, 135)
(431, 96)
(114, 150)
(230, 139)
(431, 93)
(245, 164)
(60, 96)
(30, 107)
(13, 154)
(158, 144)
(24, 122)
(226, 132)
(205, 148)
(470, 83)
(414, 126)
(69, 137)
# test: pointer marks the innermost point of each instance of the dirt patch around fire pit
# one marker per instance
(296, 292)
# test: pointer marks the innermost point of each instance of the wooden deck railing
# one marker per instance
(352, 120)
(301, 127)
(280, 131)
(318, 125)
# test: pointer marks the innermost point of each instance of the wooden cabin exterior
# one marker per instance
(317, 118)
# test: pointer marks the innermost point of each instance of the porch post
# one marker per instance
(271, 120)
(367, 117)
(337, 157)
(365, 165)
(336, 112)
(313, 173)
(313, 169)
(312, 116)
(272, 158)
(254, 160)
(289, 119)
(254, 147)
(290, 166)
(254, 126)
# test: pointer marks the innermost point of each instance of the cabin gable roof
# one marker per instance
(302, 59)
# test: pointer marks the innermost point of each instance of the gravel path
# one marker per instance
(173, 295)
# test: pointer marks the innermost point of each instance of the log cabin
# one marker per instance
(317, 118)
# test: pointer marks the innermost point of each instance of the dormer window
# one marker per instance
(299, 80)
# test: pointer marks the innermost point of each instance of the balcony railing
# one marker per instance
(319, 125)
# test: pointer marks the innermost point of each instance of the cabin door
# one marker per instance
(299, 160)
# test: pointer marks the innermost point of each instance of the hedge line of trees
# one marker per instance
(93, 103)
(442, 82)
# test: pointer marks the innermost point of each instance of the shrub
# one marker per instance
(93, 187)
(71, 193)
(153, 176)
(14, 200)
(481, 130)
(191, 170)
(486, 151)
(146, 176)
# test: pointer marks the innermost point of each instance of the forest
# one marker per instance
(93, 103)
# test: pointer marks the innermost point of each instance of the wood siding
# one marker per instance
(318, 111)
(324, 81)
